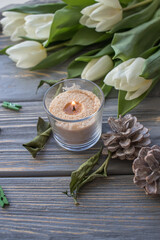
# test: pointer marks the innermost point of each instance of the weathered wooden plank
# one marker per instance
(19, 128)
(116, 209)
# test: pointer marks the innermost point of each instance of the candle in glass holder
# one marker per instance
(76, 116)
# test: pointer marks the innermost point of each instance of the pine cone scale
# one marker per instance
(125, 143)
(137, 138)
(153, 177)
(147, 169)
(152, 188)
(113, 148)
(127, 138)
(151, 161)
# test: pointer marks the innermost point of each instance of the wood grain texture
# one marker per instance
(112, 208)
(19, 128)
(116, 209)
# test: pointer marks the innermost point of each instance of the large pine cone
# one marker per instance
(147, 170)
(127, 138)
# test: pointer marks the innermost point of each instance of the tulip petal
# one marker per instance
(38, 26)
(22, 48)
(109, 23)
(87, 67)
(139, 92)
(134, 70)
(88, 10)
(126, 77)
(91, 23)
(97, 68)
(32, 59)
(11, 26)
(103, 13)
(117, 74)
(17, 33)
(43, 31)
(27, 54)
(83, 19)
(13, 23)
(13, 15)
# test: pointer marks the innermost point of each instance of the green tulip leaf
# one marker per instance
(137, 18)
(150, 51)
(43, 133)
(31, 39)
(125, 106)
(125, 1)
(3, 51)
(39, 8)
(49, 82)
(79, 3)
(86, 57)
(106, 89)
(75, 69)
(157, 14)
(134, 42)
(87, 36)
(152, 67)
(107, 50)
(65, 24)
(57, 57)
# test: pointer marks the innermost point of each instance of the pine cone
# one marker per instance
(146, 168)
(127, 137)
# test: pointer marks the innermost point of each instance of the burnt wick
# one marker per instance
(73, 106)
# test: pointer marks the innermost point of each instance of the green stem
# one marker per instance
(137, 5)
(75, 200)
(56, 46)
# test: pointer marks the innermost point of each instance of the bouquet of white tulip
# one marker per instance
(120, 40)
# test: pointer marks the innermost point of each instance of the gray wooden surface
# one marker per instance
(112, 208)
(115, 209)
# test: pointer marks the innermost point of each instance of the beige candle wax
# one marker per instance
(72, 105)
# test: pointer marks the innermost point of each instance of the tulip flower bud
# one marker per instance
(38, 26)
(27, 54)
(13, 25)
(126, 77)
(97, 68)
(102, 15)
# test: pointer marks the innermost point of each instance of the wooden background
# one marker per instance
(112, 208)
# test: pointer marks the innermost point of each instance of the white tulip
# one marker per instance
(126, 77)
(102, 15)
(13, 25)
(27, 54)
(38, 26)
(97, 68)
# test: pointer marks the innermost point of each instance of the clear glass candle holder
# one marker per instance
(75, 135)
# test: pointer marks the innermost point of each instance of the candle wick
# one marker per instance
(74, 109)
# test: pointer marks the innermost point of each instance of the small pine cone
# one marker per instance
(146, 168)
(127, 137)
